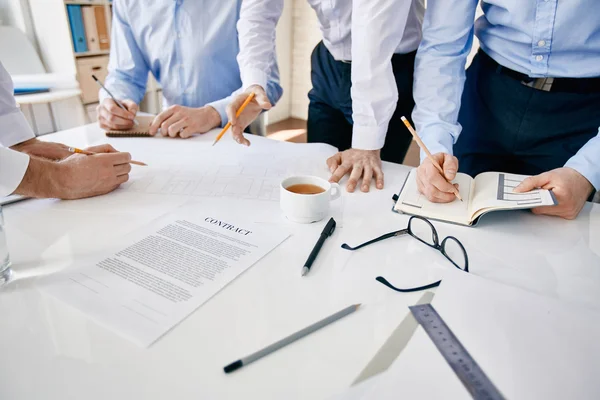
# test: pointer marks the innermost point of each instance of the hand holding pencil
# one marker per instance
(436, 172)
(244, 109)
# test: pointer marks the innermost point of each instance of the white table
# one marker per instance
(52, 351)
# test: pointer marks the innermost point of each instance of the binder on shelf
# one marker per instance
(91, 32)
(102, 27)
(77, 29)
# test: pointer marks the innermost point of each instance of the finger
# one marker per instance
(176, 128)
(111, 121)
(438, 181)
(334, 161)
(117, 158)
(232, 109)
(122, 179)
(103, 148)
(186, 133)
(533, 182)
(158, 120)
(340, 172)
(378, 177)
(367, 178)
(450, 166)
(238, 136)
(131, 106)
(355, 176)
(117, 111)
(432, 193)
(164, 127)
(122, 169)
(262, 100)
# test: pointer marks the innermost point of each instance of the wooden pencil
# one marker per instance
(91, 153)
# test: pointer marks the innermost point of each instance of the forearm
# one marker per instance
(42, 179)
(377, 29)
(440, 71)
(48, 150)
(256, 32)
(128, 70)
(587, 161)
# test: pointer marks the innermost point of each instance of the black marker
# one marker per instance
(327, 231)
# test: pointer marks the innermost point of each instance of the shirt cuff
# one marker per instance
(253, 76)
(15, 129)
(437, 141)
(368, 137)
(221, 107)
(580, 164)
(13, 166)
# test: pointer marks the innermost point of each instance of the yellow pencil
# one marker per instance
(91, 153)
(237, 114)
(426, 150)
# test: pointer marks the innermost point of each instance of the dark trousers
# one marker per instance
(330, 108)
(510, 127)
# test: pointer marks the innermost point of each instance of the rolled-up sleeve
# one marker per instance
(14, 129)
(256, 32)
(587, 161)
(377, 28)
(440, 71)
(127, 67)
(13, 166)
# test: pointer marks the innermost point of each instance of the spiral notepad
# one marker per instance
(141, 130)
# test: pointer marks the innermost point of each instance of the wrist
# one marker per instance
(40, 179)
(214, 117)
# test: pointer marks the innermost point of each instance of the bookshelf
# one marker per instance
(58, 52)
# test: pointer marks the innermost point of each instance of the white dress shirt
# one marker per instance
(14, 129)
(379, 29)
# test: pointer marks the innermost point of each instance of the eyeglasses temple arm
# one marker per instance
(381, 279)
(382, 237)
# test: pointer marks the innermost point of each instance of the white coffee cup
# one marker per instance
(307, 208)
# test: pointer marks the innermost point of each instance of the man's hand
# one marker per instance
(111, 116)
(259, 103)
(185, 121)
(48, 150)
(430, 181)
(570, 188)
(359, 164)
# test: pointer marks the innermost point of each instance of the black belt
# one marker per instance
(566, 85)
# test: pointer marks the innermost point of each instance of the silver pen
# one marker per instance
(135, 121)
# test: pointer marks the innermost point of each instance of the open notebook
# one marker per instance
(141, 130)
(488, 191)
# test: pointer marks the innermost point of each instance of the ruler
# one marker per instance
(464, 366)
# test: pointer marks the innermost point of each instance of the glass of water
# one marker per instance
(5, 270)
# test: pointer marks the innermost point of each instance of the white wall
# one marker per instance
(16, 13)
(306, 35)
(282, 109)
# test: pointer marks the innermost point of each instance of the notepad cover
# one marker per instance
(142, 130)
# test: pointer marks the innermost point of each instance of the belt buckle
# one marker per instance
(544, 84)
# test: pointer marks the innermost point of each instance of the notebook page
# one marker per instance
(411, 201)
(494, 191)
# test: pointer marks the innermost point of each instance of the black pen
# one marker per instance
(327, 231)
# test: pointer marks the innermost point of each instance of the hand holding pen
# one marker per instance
(116, 114)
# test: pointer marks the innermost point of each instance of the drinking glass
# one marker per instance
(5, 270)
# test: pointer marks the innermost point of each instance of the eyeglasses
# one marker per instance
(422, 230)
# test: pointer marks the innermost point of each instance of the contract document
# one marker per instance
(161, 273)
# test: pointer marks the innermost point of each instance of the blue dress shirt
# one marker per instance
(190, 46)
(540, 38)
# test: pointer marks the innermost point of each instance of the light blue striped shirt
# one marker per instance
(540, 38)
(190, 46)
